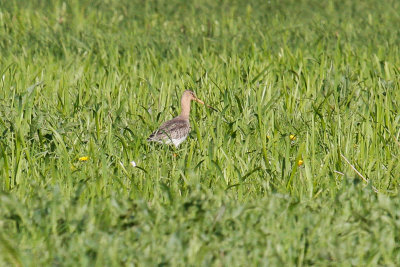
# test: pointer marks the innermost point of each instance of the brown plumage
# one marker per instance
(176, 131)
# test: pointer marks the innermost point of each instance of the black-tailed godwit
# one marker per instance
(176, 131)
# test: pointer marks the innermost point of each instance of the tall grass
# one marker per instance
(292, 80)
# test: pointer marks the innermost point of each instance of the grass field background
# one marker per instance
(316, 81)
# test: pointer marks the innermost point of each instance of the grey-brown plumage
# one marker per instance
(176, 131)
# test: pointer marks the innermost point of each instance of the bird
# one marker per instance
(176, 131)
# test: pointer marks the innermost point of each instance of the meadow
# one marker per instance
(299, 165)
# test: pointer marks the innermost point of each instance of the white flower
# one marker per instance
(133, 163)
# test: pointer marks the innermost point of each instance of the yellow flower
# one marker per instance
(292, 137)
(300, 162)
(83, 158)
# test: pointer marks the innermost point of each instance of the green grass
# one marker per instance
(95, 78)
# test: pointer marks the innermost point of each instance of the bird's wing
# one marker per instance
(172, 129)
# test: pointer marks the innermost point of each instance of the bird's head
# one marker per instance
(192, 96)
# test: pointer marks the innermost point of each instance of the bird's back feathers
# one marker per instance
(176, 130)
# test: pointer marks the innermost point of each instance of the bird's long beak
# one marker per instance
(211, 107)
(198, 100)
(201, 102)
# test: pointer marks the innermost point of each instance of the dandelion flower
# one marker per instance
(292, 137)
(83, 158)
(300, 162)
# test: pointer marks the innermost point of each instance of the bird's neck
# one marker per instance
(185, 106)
